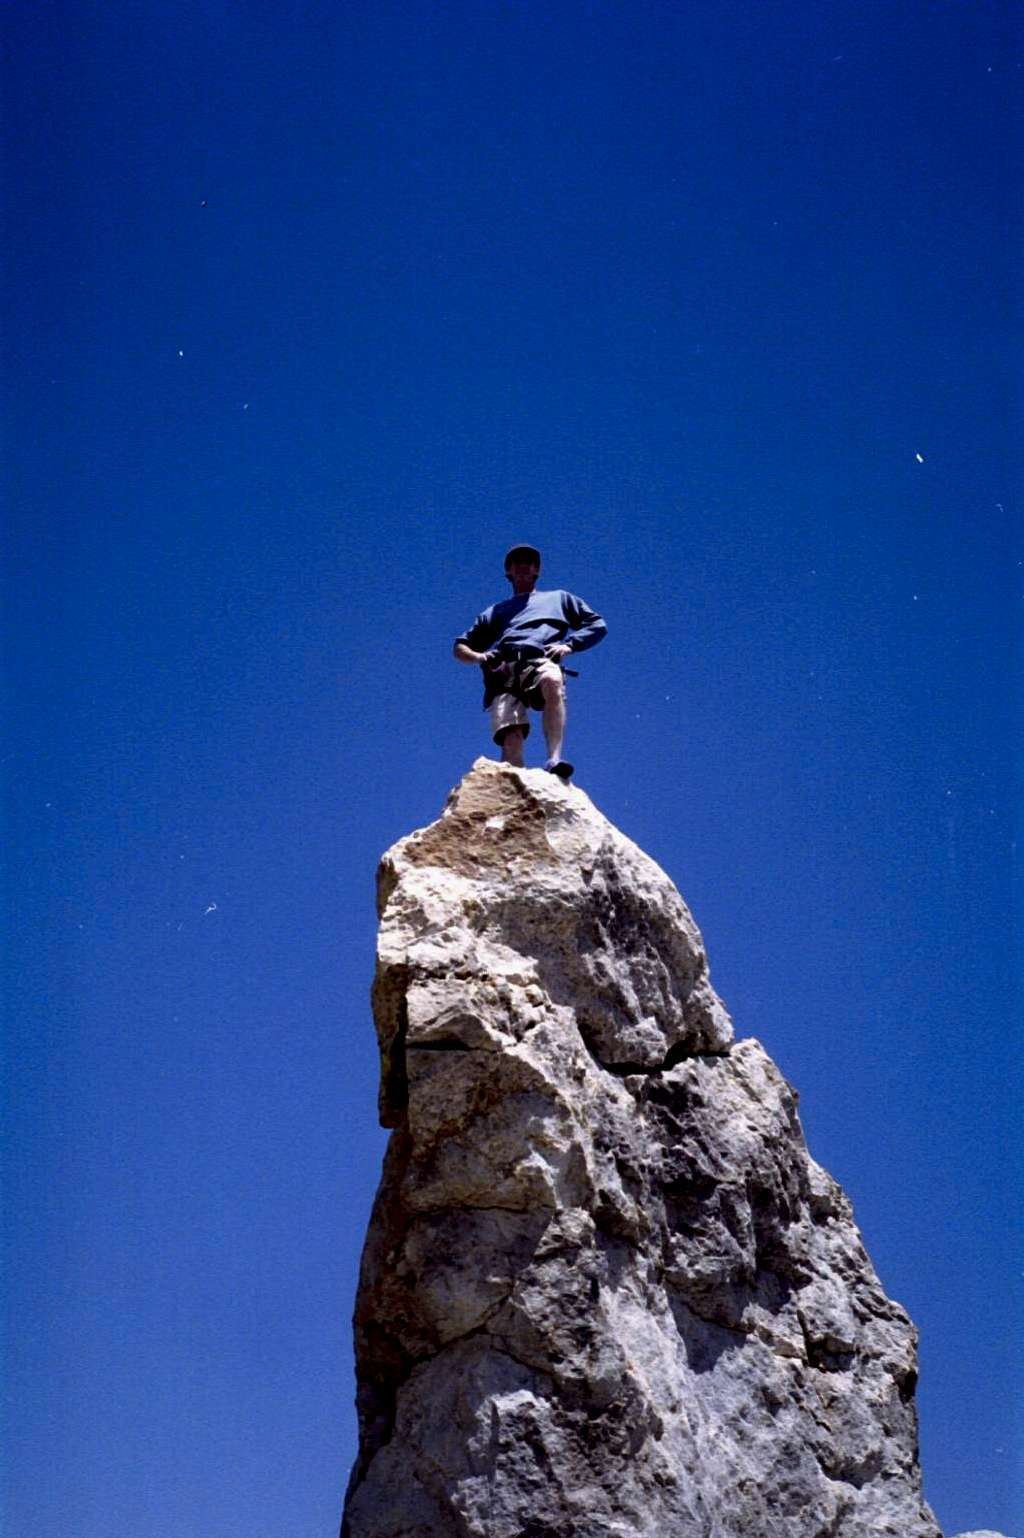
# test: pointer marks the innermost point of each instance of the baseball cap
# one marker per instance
(522, 552)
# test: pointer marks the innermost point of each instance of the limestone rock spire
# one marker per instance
(606, 1292)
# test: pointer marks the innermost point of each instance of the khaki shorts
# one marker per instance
(507, 710)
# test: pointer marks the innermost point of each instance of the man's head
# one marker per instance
(522, 567)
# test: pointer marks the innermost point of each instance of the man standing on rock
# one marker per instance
(520, 644)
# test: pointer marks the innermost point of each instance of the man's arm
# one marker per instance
(472, 645)
(463, 653)
(588, 626)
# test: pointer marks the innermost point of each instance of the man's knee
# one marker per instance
(552, 687)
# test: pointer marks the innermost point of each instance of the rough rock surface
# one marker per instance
(605, 1290)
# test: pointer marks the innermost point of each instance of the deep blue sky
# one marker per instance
(310, 310)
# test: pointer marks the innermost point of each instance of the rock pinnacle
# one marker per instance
(606, 1292)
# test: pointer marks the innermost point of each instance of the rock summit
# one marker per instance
(606, 1292)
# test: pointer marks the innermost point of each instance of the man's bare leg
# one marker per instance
(512, 747)
(553, 690)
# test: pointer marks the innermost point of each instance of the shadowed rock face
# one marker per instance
(605, 1290)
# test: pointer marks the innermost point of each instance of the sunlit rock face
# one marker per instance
(605, 1289)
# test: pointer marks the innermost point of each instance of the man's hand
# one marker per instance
(557, 650)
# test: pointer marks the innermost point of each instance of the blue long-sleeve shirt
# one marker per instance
(530, 621)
